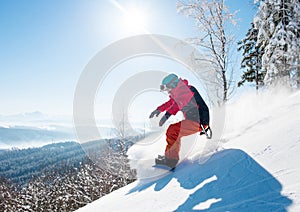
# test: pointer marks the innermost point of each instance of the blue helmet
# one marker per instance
(170, 81)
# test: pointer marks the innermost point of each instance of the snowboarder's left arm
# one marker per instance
(170, 106)
(165, 106)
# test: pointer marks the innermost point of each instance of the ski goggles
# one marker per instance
(163, 87)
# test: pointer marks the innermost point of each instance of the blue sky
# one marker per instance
(45, 45)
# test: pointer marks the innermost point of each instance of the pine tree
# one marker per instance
(278, 25)
(252, 55)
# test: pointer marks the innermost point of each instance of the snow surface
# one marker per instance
(255, 168)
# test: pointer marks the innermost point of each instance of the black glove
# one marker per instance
(155, 112)
(164, 119)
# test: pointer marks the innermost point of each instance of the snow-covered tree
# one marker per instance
(65, 188)
(213, 19)
(116, 161)
(278, 25)
(116, 164)
(8, 193)
(251, 61)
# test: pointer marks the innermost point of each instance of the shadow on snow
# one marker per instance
(240, 184)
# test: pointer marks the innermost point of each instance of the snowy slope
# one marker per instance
(255, 168)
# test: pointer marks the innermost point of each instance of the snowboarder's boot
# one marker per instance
(161, 160)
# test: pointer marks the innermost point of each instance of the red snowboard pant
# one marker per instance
(174, 134)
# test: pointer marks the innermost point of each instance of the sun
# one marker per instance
(135, 19)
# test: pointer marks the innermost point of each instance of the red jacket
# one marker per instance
(187, 99)
(179, 97)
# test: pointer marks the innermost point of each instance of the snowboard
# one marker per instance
(165, 167)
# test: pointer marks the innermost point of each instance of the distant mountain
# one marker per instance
(28, 116)
(35, 129)
(23, 136)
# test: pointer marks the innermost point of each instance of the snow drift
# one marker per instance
(254, 169)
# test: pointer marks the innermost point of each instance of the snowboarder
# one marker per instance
(185, 98)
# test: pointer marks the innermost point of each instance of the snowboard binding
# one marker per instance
(206, 131)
